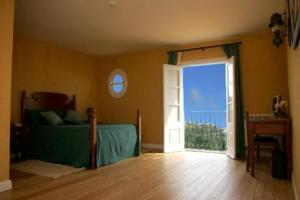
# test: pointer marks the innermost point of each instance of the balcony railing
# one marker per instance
(206, 130)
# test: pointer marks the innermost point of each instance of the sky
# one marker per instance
(204, 90)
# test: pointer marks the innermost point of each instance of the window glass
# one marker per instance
(117, 83)
(118, 88)
(118, 79)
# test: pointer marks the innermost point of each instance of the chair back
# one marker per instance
(246, 122)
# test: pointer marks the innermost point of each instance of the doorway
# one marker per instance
(205, 107)
(215, 123)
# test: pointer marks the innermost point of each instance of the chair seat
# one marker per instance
(265, 139)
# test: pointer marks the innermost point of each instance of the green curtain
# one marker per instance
(173, 58)
(234, 50)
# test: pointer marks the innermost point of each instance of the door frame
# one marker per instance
(209, 61)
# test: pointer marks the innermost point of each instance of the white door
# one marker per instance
(230, 107)
(173, 109)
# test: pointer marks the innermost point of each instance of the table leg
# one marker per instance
(252, 162)
(288, 141)
(251, 144)
(248, 158)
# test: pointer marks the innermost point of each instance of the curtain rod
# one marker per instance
(205, 47)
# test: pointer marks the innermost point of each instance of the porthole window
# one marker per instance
(117, 83)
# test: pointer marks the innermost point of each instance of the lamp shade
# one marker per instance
(276, 19)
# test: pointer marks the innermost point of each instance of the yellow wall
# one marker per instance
(263, 76)
(144, 73)
(293, 57)
(39, 66)
(6, 45)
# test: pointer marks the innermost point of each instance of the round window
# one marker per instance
(117, 83)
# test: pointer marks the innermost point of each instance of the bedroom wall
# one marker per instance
(144, 74)
(293, 58)
(40, 66)
(6, 46)
(263, 76)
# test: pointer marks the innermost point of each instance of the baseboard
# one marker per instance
(152, 146)
(295, 188)
(5, 185)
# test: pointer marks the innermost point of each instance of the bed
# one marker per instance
(89, 145)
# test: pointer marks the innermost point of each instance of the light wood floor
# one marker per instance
(187, 175)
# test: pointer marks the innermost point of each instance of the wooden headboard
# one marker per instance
(46, 101)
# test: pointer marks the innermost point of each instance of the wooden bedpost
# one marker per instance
(93, 131)
(23, 96)
(74, 102)
(139, 130)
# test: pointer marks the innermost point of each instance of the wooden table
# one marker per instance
(270, 126)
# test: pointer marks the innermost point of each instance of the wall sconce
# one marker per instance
(276, 25)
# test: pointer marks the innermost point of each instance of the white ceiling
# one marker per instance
(94, 27)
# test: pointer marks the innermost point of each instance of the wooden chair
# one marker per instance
(260, 143)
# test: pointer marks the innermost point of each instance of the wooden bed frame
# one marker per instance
(59, 101)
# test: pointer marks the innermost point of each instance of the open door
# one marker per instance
(173, 109)
(231, 151)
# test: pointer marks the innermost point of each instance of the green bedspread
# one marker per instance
(70, 144)
(117, 142)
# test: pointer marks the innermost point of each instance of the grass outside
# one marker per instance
(205, 136)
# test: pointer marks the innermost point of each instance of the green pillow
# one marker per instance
(73, 117)
(52, 118)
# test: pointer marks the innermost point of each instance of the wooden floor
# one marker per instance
(187, 175)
